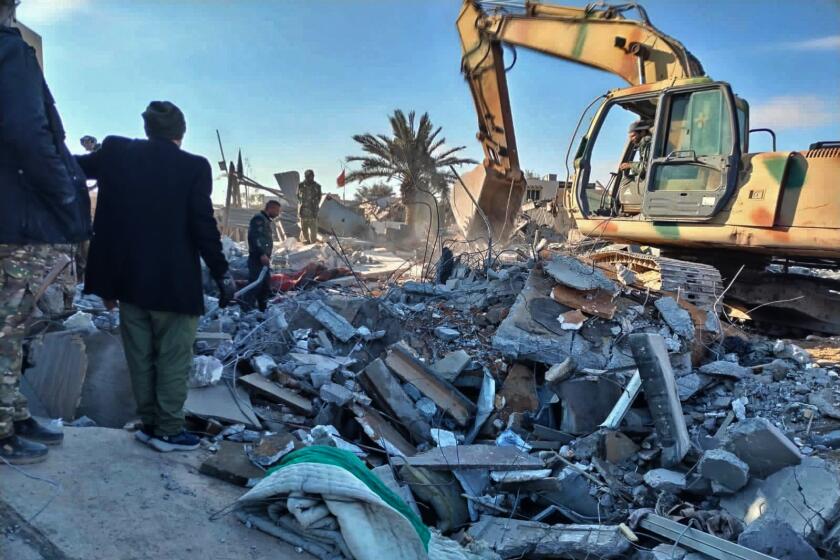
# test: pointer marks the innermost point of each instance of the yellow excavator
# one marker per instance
(683, 181)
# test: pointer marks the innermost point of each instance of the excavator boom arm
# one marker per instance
(598, 36)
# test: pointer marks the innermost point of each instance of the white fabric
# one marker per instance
(372, 529)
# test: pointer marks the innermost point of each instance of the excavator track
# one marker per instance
(785, 299)
(783, 302)
(699, 284)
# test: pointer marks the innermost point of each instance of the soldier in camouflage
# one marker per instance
(260, 245)
(38, 175)
(309, 197)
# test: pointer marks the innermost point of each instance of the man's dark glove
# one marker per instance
(227, 288)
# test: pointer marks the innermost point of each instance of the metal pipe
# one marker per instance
(250, 287)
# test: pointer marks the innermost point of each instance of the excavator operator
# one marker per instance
(633, 172)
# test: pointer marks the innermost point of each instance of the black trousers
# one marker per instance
(259, 296)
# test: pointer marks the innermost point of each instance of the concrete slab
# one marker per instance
(806, 496)
(121, 499)
(762, 446)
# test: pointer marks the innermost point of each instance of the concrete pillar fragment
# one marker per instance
(660, 390)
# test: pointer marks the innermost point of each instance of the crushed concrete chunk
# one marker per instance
(332, 321)
(516, 538)
(451, 365)
(264, 364)
(773, 536)
(335, 393)
(725, 369)
(206, 370)
(761, 445)
(665, 480)
(573, 273)
(677, 318)
(660, 389)
(446, 334)
(725, 469)
(806, 496)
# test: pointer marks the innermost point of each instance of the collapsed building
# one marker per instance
(515, 404)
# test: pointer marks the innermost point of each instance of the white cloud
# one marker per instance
(794, 111)
(830, 42)
(43, 12)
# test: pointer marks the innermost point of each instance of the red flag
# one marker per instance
(340, 181)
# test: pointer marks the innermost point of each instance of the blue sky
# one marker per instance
(291, 81)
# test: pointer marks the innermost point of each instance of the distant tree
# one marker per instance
(373, 192)
(413, 154)
(529, 174)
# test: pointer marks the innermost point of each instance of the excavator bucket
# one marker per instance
(485, 205)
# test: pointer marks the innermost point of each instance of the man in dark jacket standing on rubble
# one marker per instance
(44, 207)
(154, 219)
(260, 245)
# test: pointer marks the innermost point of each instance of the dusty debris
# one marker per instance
(513, 432)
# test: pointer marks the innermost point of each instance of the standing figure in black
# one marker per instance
(260, 244)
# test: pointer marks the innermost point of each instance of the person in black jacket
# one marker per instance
(154, 221)
(260, 245)
(44, 207)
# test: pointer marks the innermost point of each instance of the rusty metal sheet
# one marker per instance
(594, 302)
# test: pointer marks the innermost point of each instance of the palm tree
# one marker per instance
(373, 192)
(414, 155)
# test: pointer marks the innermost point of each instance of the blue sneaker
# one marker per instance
(183, 441)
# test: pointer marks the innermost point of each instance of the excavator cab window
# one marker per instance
(695, 165)
(610, 189)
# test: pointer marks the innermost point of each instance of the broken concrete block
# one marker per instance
(446, 334)
(411, 370)
(231, 464)
(206, 370)
(725, 369)
(275, 393)
(806, 496)
(381, 384)
(571, 272)
(773, 536)
(761, 445)
(665, 480)
(660, 390)
(587, 401)
(332, 321)
(264, 364)
(426, 407)
(724, 469)
(451, 365)
(569, 488)
(487, 457)
(335, 393)
(676, 317)
(691, 384)
(516, 538)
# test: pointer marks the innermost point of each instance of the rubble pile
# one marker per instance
(547, 407)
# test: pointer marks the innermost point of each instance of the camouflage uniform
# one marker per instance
(22, 269)
(638, 168)
(260, 242)
(309, 197)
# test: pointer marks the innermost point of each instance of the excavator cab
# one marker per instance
(691, 169)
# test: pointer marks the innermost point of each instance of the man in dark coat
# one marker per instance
(44, 207)
(260, 245)
(154, 219)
